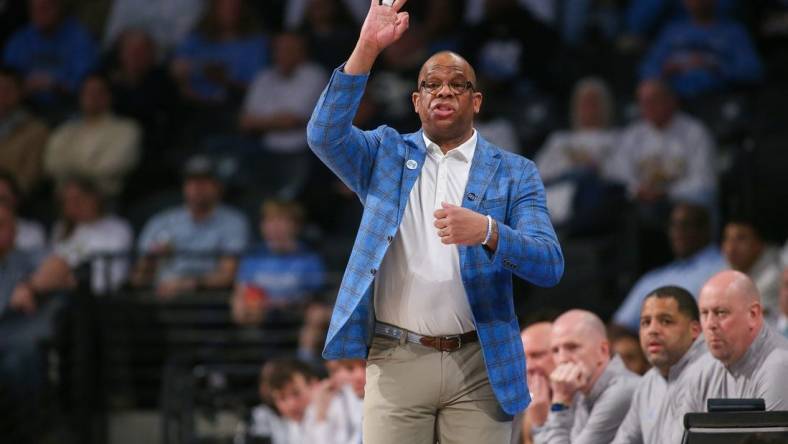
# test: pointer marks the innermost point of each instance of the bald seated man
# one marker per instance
(748, 358)
(591, 392)
(448, 219)
(539, 366)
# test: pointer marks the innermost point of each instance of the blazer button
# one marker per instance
(389, 239)
(471, 196)
(373, 271)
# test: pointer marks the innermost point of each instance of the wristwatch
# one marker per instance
(558, 407)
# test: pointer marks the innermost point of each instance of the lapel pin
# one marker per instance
(411, 164)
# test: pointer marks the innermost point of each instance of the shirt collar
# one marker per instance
(613, 368)
(750, 357)
(694, 352)
(463, 152)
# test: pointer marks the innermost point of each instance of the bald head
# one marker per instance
(448, 60)
(579, 337)
(583, 322)
(730, 314)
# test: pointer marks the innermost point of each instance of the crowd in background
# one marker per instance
(160, 146)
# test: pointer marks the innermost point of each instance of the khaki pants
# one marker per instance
(418, 395)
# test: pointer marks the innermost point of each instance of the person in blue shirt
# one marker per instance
(220, 58)
(696, 260)
(703, 54)
(53, 52)
(282, 274)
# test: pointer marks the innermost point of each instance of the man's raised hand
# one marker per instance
(383, 26)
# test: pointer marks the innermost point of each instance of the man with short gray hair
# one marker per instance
(591, 391)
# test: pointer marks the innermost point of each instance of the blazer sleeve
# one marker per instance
(528, 245)
(345, 149)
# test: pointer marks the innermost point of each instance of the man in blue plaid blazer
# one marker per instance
(448, 218)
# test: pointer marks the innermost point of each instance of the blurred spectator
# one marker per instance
(669, 331)
(142, 90)
(21, 369)
(280, 275)
(748, 358)
(30, 235)
(667, 155)
(167, 21)
(627, 346)
(15, 265)
(219, 59)
(334, 416)
(539, 365)
(696, 260)
(591, 391)
(702, 54)
(646, 17)
(782, 318)
(85, 235)
(194, 246)
(22, 135)
(508, 43)
(573, 162)
(98, 145)
(745, 250)
(330, 32)
(289, 384)
(53, 52)
(277, 108)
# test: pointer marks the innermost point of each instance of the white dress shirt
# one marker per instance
(419, 285)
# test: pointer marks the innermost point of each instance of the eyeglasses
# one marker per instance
(457, 87)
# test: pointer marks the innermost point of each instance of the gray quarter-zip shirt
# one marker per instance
(649, 419)
(594, 418)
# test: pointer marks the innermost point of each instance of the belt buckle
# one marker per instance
(448, 338)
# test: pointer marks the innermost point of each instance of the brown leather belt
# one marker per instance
(441, 343)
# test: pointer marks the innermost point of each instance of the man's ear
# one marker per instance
(695, 329)
(415, 99)
(477, 102)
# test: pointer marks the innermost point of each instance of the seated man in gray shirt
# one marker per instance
(591, 390)
(670, 338)
(748, 359)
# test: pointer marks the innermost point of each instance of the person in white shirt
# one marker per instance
(334, 416)
(666, 154)
(85, 234)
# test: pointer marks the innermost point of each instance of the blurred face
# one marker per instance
(728, 320)
(686, 233)
(536, 344)
(293, 399)
(348, 371)
(228, 13)
(741, 246)
(78, 206)
(45, 14)
(137, 53)
(573, 343)
(7, 230)
(589, 109)
(7, 196)
(278, 229)
(784, 292)
(94, 97)
(201, 193)
(665, 333)
(445, 114)
(628, 349)
(289, 52)
(10, 95)
(656, 105)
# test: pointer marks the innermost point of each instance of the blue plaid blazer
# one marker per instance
(501, 184)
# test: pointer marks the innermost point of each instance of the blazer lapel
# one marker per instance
(415, 153)
(483, 167)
